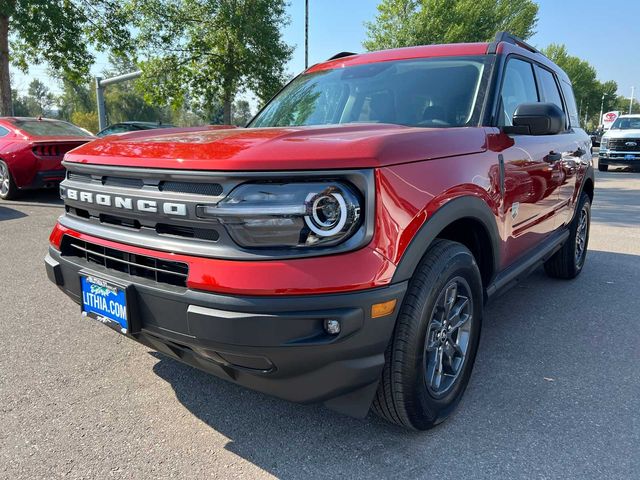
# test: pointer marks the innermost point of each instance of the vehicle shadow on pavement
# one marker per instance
(540, 396)
(37, 198)
(10, 213)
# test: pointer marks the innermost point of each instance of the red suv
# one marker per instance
(342, 247)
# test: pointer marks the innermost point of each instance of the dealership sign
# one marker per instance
(608, 119)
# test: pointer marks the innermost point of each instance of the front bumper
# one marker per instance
(608, 157)
(276, 345)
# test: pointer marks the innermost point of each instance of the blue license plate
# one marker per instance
(629, 157)
(106, 302)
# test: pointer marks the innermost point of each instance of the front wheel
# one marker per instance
(431, 355)
(568, 261)
(603, 167)
(8, 189)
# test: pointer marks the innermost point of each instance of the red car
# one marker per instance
(342, 247)
(31, 152)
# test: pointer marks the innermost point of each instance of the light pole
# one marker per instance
(631, 100)
(601, 112)
(306, 34)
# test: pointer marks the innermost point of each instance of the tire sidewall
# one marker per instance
(585, 203)
(437, 409)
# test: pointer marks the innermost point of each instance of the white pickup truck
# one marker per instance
(620, 145)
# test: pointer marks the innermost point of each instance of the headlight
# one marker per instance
(289, 214)
(603, 142)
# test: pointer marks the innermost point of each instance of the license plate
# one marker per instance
(105, 302)
(629, 157)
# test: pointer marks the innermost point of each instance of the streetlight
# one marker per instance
(631, 100)
(306, 34)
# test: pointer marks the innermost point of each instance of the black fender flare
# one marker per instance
(465, 207)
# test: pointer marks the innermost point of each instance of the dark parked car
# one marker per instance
(31, 151)
(133, 126)
(342, 247)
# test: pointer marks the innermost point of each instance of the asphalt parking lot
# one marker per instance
(555, 391)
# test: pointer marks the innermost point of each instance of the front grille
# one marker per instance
(156, 269)
(620, 144)
(211, 189)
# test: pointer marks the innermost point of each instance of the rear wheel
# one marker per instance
(568, 261)
(8, 189)
(431, 355)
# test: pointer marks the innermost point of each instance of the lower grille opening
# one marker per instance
(188, 232)
(119, 221)
(156, 269)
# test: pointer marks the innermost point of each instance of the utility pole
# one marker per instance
(601, 112)
(100, 84)
(306, 34)
(580, 109)
(631, 100)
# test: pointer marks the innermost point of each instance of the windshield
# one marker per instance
(50, 128)
(435, 92)
(622, 123)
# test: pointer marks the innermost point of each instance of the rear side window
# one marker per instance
(571, 104)
(549, 88)
(3, 131)
(518, 86)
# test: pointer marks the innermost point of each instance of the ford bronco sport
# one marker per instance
(340, 249)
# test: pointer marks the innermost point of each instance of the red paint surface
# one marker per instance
(301, 148)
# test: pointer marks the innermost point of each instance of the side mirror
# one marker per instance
(537, 119)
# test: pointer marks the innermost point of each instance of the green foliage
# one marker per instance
(241, 113)
(403, 23)
(60, 34)
(201, 52)
(42, 97)
(86, 120)
(589, 92)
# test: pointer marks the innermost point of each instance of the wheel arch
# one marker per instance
(467, 220)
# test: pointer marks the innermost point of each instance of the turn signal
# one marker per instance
(382, 309)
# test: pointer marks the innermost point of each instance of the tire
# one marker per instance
(567, 262)
(8, 189)
(407, 394)
(603, 168)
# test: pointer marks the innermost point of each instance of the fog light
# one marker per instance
(332, 327)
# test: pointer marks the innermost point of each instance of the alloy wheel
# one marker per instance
(581, 237)
(447, 339)
(4, 179)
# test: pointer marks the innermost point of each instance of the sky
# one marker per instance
(338, 25)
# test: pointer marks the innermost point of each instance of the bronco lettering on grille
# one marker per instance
(127, 203)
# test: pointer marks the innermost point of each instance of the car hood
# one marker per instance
(631, 133)
(299, 148)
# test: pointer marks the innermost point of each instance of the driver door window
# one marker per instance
(518, 86)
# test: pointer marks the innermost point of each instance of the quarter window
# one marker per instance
(3, 131)
(518, 86)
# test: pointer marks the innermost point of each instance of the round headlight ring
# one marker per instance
(324, 228)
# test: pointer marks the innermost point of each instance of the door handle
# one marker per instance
(553, 157)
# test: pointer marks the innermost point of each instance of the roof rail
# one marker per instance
(341, 55)
(512, 39)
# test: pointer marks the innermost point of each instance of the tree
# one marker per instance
(403, 23)
(58, 33)
(41, 95)
(205, 51)
(241, 113)
(588, 90)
